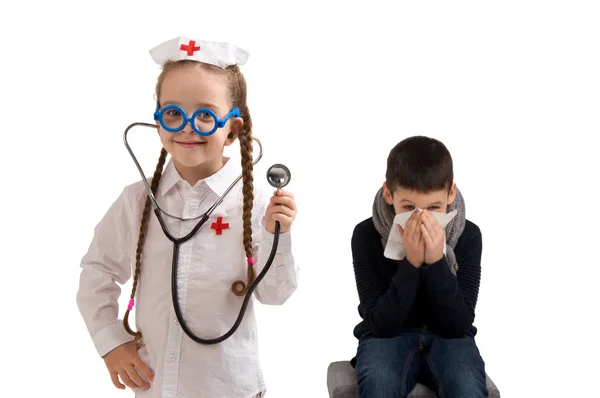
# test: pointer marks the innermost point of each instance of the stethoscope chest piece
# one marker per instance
(278, 176)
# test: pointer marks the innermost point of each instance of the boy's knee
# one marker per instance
(378, 379)
(467, 383)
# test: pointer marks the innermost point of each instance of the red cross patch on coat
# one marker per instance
(219, 226)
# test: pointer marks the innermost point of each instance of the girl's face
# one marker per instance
(191, 88)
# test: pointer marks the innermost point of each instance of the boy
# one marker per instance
(418, 304)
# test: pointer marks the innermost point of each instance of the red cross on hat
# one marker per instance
(190, 47)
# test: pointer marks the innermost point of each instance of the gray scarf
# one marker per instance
(383, 217)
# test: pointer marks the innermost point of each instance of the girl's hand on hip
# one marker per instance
(124, 362)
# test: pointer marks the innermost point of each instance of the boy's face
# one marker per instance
(405, 200)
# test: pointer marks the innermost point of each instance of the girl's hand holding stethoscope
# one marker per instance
(282, 208)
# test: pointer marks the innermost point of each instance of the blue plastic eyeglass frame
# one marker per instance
(219, 123)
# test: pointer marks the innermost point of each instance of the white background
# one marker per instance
(512, 88)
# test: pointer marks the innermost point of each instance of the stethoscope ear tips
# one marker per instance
(278, 176)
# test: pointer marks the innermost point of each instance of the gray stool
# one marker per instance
(341, 383)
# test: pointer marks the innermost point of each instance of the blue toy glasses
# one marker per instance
(204, 121)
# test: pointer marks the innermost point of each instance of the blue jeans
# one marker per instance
(390, 368)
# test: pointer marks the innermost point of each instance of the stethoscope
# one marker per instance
(278, 176)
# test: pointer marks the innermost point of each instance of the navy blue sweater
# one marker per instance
(395, 295)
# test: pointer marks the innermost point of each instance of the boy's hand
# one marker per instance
(433, 234)
(412, 238)
(124, 362)
(282, 208)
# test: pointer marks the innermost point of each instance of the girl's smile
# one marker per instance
(190, 144)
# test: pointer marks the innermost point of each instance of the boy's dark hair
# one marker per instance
(419, 163)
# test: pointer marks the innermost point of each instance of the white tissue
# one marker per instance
(394, 248)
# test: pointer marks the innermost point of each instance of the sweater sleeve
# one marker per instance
(383, 308)
(451, 299)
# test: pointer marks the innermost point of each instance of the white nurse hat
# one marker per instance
(210, 52)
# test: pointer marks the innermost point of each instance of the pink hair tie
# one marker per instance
(250, 261)
(130, 306)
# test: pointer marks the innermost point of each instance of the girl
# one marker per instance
(216, 267)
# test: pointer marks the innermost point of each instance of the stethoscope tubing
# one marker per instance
(175, 292)
(149, 190)
(178, 241)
